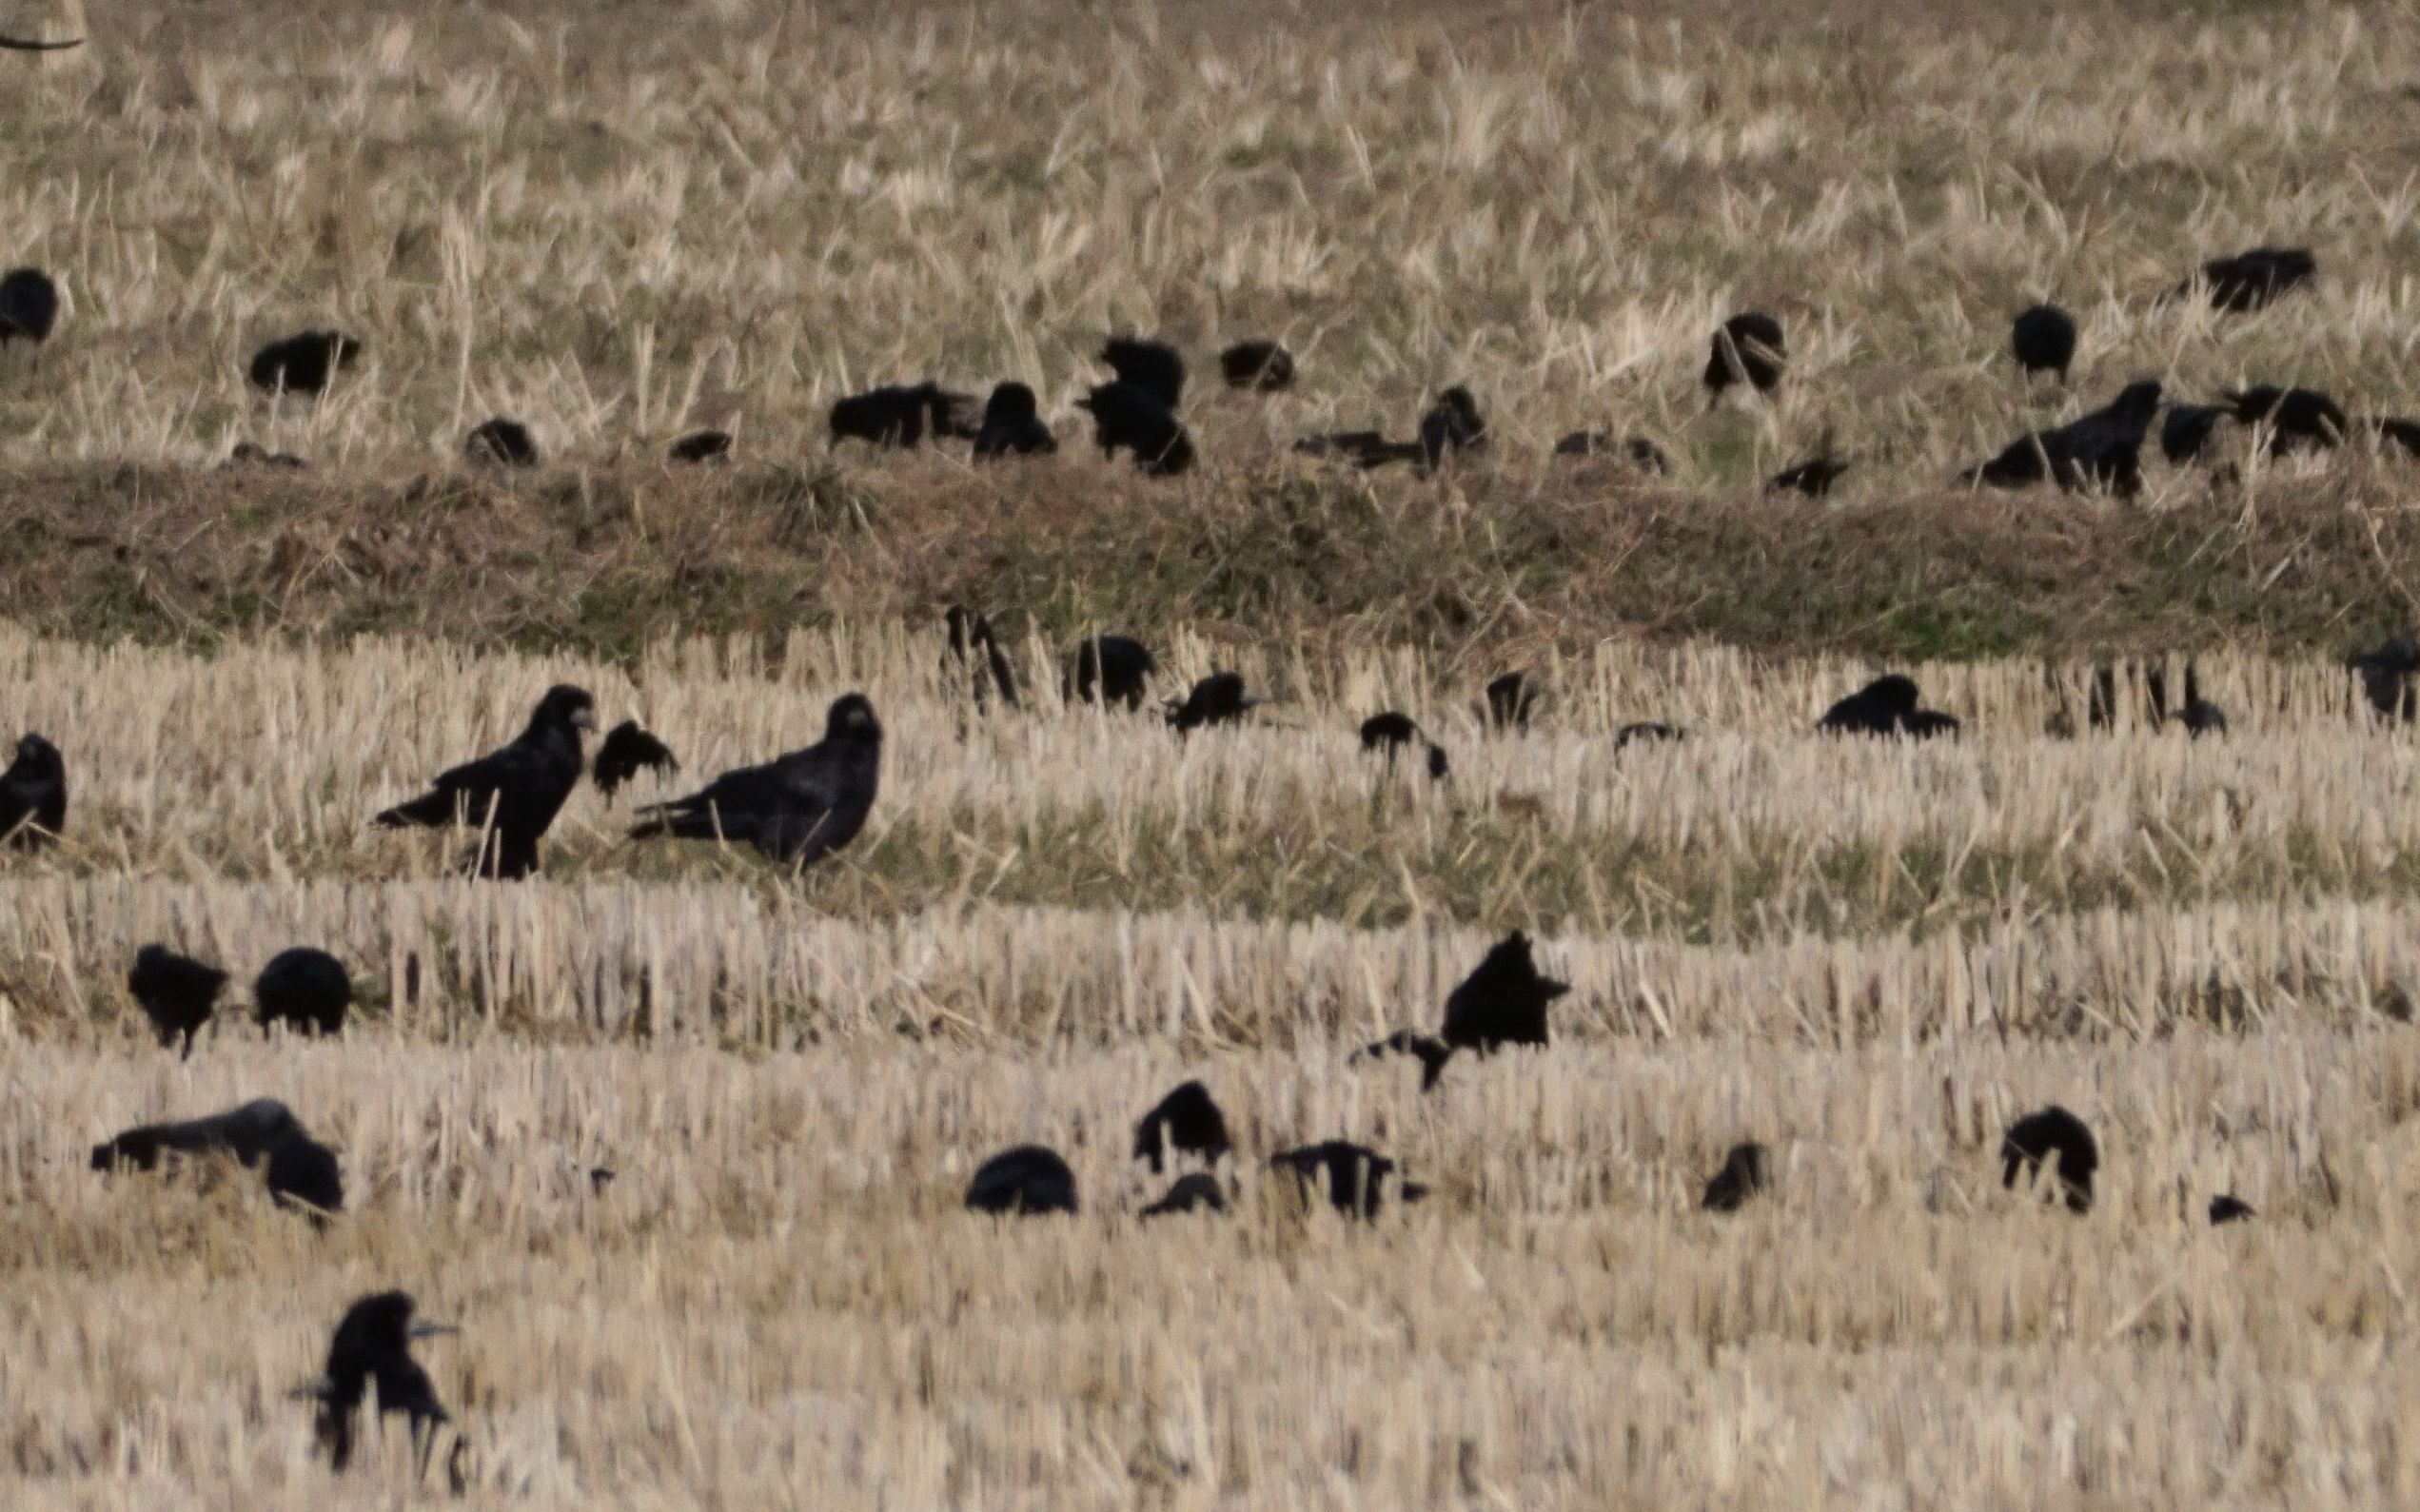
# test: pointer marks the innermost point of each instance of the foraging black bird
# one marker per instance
(512, 794)
(2229, 1208)
(1638, 450)
(1195, 1191)
(900, 415)
(794, 809)
(1646, 731)
(701, 446)
(2099, 450)
(1452, 425)
(1365, 449)
(1189, 1121)
(305, 362)
(1882, 707)
(176, 993)
(2044, 341)
(627, 750)
(503, 441)
(1013, 426)
(1131, 417)
(1747, 348)
(2058, 1137)
(1262, 368)
(2187, 430)
(1512, 700)
(253, 454)
(971, 632)
(2252, 281)
(1503, 1001)
(1390, 732)
(372, 1350)
(1747, 1170)
(1218, 699)
(1430, 1051)
(1151, 366)
(2388, 676)
(1813, 477)
(1111, 668)
(263, 1135)
(1025, 1181)
(34, 794)
(1353, 1176)
(304, 988)
(2295, 419)
(29, 305)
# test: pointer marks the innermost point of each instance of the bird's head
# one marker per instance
(39, 756)
(566, 706)
(852, 719)
(2140, 398)
(1011, 404)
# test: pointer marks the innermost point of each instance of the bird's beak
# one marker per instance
(585, 719)
(315, 1389)
(430, 1330)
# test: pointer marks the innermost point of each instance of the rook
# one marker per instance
(794, 809)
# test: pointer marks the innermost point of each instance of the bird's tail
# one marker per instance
(428, 812)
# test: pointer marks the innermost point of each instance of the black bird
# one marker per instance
(1512, 700)
(2044, 341)
(1131, 417)
(1024, 1181)
(1925, 723)
(2388, 676)
(1111, 668)
(1452, 425)
(263, 1135)
(2187, 430)
(305, 362)
(2058, 1137)
(796, 809)
(505, 443)
(2198, 715)
(2099, 450)
(1013, 426)
(1747, 1170)
(1365, 449)
(2398, 431)
(2229, 1208)
(373, 1349)
(306, 990)
(513, 793)
(253, 454)
(1747, 348)
(1353, 1176)
(2249, 280)
(1218, 699)
(13, 45)
(1191, 1192)
(1188, 1121)
(1263, 368)
(1503, 1001)
(1885, 706)
(900, 415)
(971, 632)
(2295, 418)
(29, 305)
(34, 794)
(1151, 366)
(176, 993)
(1646, 730)
(1390, 733)
(627, 750)
(1813, 477)
(1641, 453)
(702, 446)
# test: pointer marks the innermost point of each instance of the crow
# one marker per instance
(2099, 450)
(1218, 699)
(1151, 366)
(306, 990)
(2294, 418)
(1188, 1121)
(2229, 1208)
(505, 443)
(1502, 1002)
(2059, 1137)
(900, 415)
(1747, 1170)
(1885, 706)
(1390, 733)
(264, 1134)
(1013, 426)
(2198, 715)
(176, 993)
(1365, 449)
(512, 794)
(969, 632)
(2044, 341)
(1641, 453)
(626, 750)
(1512, 700)
(253, 454)
(1813, 477)
(1024, 1181)
(1646, 730)
(29, 305)
(373, 1348)
(1262, 368)
(1109, 669)
(2388, 676)
(1192, 1192)
(1748, 349)
(701, 446)
(33, 795)
(305, 362)
(1353, 1175)
(2187, 430)
(794, 809)
(1452, 425)
(1129, 415)
(2249, 280)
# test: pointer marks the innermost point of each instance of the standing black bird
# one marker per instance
(2249, 280)
(2187, 430)
(2099, 450)
(702, 446)
(373, 1349)
(1353, 1176)
(502, 441)
(1111, 668)
(1151, 366)
(305, 362)
(1189, 1121)
(2058, 1137)
(1263, 368)
(1013, 426)
(304, 988)
(176, 993)
(1218, 699)
(2388, 676)
(1747, 1170)
(1503, 1001)
(627, 750)
(1453, 425)
(34, 794)
(2295, 419)
(263, 1133)
(971, 632)
(1131, 416)
(1640, 452)
(2044, 341)
(1024, 1181)
(513, 793)
(900, 415)
(1747, 348)
(1813, 477)
(1191, 1192)
(29, 305)
(1391, 732)
(796, 809)
(1512, 700)
(2229, 1208)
